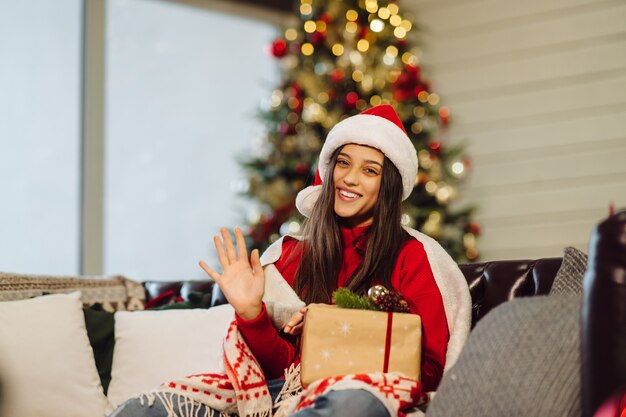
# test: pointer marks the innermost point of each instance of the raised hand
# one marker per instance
(242, 281)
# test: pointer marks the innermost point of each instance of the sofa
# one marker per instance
(79, 353)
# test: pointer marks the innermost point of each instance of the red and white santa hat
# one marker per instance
(378, 127)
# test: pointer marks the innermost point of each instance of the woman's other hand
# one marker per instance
(294, 325)
(242, 281)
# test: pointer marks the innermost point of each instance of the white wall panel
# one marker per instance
(533, 73)
(513, 208)
(544, 35)
(584, 131)
(461, 16)
(566, 165)
(536, 90)
(590, 94)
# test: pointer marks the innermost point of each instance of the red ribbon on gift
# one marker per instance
(388, 341)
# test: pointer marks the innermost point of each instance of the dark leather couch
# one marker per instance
(490, 283)
(493, 283)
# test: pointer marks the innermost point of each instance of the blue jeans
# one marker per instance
(347, 403)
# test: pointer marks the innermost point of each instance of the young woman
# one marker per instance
(353, 238)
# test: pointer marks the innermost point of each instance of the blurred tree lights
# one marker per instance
(343, 57)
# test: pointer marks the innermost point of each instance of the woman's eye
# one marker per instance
(342, 162)
(371, 171)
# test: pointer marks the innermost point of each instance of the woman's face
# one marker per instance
(357, 177)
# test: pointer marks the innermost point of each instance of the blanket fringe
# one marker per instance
(147, 399)
(290, 393)
(177, 405)
(292, 386)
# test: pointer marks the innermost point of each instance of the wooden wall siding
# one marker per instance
(537, 89)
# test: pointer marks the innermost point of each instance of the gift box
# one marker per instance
(340, 341)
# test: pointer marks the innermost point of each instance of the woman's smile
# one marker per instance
(347, 195)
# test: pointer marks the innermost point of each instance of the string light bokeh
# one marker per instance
(341, 58)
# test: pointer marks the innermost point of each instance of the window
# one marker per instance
(40, 64)
(181, 90)
(182, 87)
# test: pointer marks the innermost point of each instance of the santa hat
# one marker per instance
(378, 127)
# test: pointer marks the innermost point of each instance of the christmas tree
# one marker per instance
(342, 57)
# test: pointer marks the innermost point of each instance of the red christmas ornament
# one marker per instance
(408, 84)
(317, 38)
(444, 116)
(474, 228)
(301, 168)
(286, 129)
(363, 31)
(351, 99)
(401, 44)
(298, 107)
(417, 90)
(337, 75)
(279, 48)
(326, 17)
(332, 95)
(415, 73)
(435, 147)
(295, 90)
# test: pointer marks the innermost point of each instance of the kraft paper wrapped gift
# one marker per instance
(339, 341)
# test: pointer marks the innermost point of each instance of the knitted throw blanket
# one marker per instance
(396, 392)
(242, 390)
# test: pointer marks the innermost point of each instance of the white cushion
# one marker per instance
(153, 347)
(46, 362)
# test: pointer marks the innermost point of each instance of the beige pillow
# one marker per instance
(153, 347)
(46, 362)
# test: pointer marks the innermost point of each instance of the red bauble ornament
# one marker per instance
(326, 17)
(351, 99)
(417, 90)
(317, 38)
(301, 168)
(295, 89)
(435, 147)
(474, 228)
(279, 48)
(444, 116)
(415, 73)
(408, 84)
(299, 106)
(337, 75)
(286, 129)
(332, 95)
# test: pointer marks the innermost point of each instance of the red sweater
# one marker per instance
(412, 277)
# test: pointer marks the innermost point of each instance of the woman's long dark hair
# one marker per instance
(322, 247)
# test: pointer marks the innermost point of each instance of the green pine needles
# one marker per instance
(345, 298)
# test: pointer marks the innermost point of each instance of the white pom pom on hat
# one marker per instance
(378, 127)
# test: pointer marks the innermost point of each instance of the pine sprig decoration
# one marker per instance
(345, 298)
